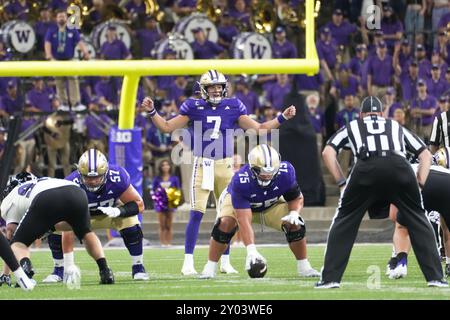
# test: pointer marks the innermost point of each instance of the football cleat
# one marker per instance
(391, 265)
(106, 276)
(5, 279)
(138, 272)
(227, 268)
(327, 285)
(401, 269)
(27, 267)
(309, 273)
(438, 284)
(26, 283)
(56, 276)
(188, 271)
(208, 272)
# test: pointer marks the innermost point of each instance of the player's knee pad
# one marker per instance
(132, 235)
(220, 236)
(293, 235)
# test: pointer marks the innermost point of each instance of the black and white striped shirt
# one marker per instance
(376, 134)
(439, 133)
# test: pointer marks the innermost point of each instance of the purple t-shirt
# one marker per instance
(305, 82)
(437, 88)
(381, 70)
(213, 120)
(317, 120)
(327, 52)
(286, 50)
(158, 138)
(11, 105)
(107, 90)
(93, 126)
(18, 11)
(207, 50)
(115, 50)
(227, 33)
(429, 103)
(41, 99)
(41, 28)
(247, 194)
(250, 100)
(394, 106)
(175, 92)
(409, 87)
(342, 32)
(132, 8)
(276, 93)
(63, 43)
(391, 28)
(351, 88)
(147, 39)
(117, 182)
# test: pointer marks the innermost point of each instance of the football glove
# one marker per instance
(293, 218)
(110, 211)
(72, 277)
(252, 256)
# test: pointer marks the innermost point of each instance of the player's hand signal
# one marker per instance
(289, 113)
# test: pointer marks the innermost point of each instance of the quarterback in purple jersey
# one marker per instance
(212, 170)
(106, 186)
(254, 195)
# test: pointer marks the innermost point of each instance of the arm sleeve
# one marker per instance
(339, 140)
(435, 137)
(413, 143)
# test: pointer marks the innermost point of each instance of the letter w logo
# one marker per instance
(23, 35)
(257, 51)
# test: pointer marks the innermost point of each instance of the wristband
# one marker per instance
(152, 113)
(281, 118)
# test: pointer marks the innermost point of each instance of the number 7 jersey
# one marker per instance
(212, 122)
(117, 181)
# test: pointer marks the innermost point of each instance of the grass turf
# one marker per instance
(367, 265)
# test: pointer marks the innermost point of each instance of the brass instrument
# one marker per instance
(57, 132)
(152, 9)
(295, 16)
(208, 7)
(263, 17)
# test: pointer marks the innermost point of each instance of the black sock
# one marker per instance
(7, 254)
(102, 264)
(402, 255)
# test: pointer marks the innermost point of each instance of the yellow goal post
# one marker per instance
(132, 70)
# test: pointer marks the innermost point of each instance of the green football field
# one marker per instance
(364, 278)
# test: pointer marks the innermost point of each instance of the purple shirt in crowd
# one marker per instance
(305, 82)
(108, 90)
(132, 8)
(381, 70)
(276, 93)
(351, 88)
(428, 103)
(41, 99)
(327, 52)
(227, 33)
(63, 43)
(342, 32)
(391, 28)
(41, 28)
(147, 39)
(207, 50)
(408, 86)
(11, 105)
(437, 88)
(116, 50)
(93, 126)
(250, 100)
(394, 106)
(317, 120)
(17, 11)
(59, 4)
(286, 50)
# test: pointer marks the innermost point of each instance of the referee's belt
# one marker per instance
(381, 153)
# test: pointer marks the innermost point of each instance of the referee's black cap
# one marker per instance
(371, 104)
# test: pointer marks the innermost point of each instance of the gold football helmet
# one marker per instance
(264, 163)
(210, 78)
(441, 157)
(93, 168)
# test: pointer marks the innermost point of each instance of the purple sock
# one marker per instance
(227, 250)
(55, 245)
(192, 231)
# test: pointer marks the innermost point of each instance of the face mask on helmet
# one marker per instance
(264, 163)
(441, 157)
(210, 79)
(93, 168)
(16, 180)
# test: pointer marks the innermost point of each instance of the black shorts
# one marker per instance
(67, 203)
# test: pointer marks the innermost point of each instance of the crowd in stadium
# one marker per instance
(403, 60)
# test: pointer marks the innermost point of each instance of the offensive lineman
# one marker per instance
(254, 195)
(212, 170)
(35, 206)
(104, 186)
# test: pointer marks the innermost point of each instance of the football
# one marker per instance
(257, 269)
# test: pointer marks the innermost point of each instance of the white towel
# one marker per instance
(208, 174)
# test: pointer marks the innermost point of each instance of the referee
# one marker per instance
(440, 131)
(381, 174)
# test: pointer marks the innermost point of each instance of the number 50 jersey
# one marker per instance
(117, 181)
(247, 193)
